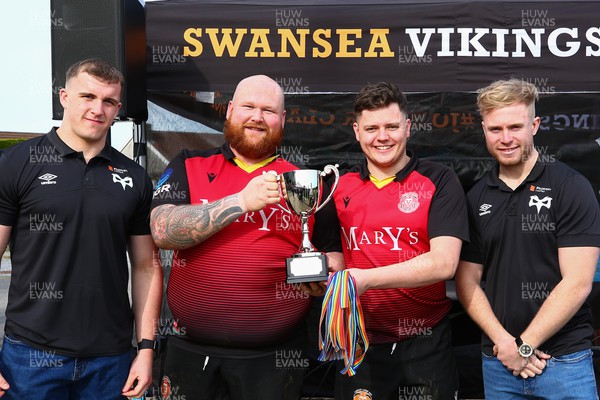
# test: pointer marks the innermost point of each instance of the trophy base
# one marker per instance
(307, 267)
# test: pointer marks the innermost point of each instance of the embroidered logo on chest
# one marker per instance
(409, 202)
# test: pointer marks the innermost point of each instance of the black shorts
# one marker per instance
(275, 376)
(422, 367)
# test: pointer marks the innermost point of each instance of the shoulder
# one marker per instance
(433, 168)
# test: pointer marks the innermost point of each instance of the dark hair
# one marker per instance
(379, 95)
(99, 69)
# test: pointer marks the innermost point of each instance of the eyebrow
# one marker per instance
(111, 99)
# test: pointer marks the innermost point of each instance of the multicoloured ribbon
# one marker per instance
(342, 334)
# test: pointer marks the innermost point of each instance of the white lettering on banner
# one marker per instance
(533, 40)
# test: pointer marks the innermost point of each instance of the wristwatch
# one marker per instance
(146, 344)
(525, 350)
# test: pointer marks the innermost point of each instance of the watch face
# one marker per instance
(525, 350)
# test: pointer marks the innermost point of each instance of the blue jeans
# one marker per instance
(567, 377)
(43, 374)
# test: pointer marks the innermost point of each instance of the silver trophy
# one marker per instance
(302, 191)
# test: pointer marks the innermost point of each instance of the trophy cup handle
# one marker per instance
(328, 169)
(282, 193)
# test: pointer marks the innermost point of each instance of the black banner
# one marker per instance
(339, 46)
(445, 127)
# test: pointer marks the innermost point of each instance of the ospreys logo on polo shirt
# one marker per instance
(124, 181)
(538, 203)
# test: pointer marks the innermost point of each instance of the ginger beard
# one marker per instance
(236, 137)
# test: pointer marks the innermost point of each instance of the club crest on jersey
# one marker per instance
(127, 181)
(362, 394)
(165, 387)
(409, 202)
(538, 203)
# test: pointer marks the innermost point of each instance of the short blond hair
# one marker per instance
(505, 93)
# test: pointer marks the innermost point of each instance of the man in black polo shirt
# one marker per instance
(70, 207)
(535, 238)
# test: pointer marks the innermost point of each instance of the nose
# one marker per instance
(505, 136)
(383, 134)
(96, 107)
(257, 114)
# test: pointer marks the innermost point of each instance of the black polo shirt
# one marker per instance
(70, 225)
(516, 236)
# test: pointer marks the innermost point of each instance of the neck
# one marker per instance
(246, 160)
(382, 172)
(89, 149)
(514, 175)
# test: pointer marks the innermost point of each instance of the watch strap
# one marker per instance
(147, 344)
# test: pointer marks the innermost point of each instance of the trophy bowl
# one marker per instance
(303, 191)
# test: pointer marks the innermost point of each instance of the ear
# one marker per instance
(283, 119)
(408, 125)
(229, 108)
(62, 95)
(356, 131)
(536, 124)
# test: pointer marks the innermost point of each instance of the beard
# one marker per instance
(236, 137)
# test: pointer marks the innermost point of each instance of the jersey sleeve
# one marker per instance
(9, 203)
(471, 250)
(578, 214)
(448, 211)
(173, 187)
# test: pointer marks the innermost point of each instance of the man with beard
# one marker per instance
(244, 326)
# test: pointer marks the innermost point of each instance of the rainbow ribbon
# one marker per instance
(342, 333)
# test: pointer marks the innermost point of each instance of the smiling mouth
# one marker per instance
(383, 147)
(256, 128)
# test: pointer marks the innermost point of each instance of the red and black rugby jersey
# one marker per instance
(393, 224)
(230, 290)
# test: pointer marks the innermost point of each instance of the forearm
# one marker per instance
(577, 267)
(475, 302)
(425, 269)
(477, 306)
(184, 226)
(558, 308)
(147, 290)
(4, 238)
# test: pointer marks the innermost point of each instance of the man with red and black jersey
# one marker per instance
(221, 211)
(403, 221)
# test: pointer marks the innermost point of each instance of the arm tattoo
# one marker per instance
(181, 227)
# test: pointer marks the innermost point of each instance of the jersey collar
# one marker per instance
(65, 150)
(493, 178)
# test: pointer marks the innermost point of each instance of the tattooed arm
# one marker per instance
(178, 227)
